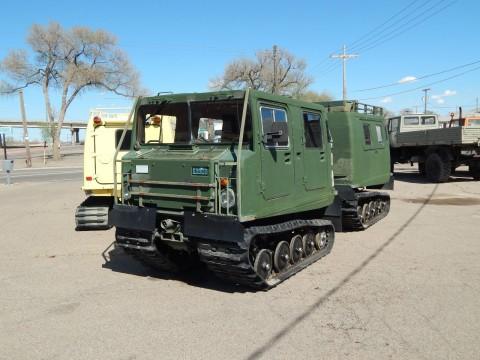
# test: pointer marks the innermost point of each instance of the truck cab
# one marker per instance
(410, 122)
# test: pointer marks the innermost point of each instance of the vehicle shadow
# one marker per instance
(118, 261)
(263, 350)
(413, 176)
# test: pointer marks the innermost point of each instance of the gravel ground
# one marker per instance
(408, 288)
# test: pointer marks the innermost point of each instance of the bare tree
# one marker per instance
(67, 62)
(275, 71)
(313, 96)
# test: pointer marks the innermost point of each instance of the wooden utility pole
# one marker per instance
(274, 87)
(28, 161)
(425, 98)
(344, 57)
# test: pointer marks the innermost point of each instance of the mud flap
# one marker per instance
(334, 213)
(133, 217)
(213, 227)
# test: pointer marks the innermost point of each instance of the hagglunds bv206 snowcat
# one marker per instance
(242, 186)
(361, 162)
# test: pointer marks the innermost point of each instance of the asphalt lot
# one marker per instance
(407, 288)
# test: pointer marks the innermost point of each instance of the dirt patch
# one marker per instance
(458, 201)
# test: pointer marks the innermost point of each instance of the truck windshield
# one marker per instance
(474, 122)
(198, 122)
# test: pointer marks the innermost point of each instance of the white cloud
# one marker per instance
(440, 97)
(407, 79)
(386, 100)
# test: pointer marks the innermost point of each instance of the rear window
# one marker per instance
(428, 120)
(411, 120)
(378, 128)
(366, 134)
(126, 141)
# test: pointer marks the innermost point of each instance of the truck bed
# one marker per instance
(442, 136)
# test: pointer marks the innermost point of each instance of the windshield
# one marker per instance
(474, 122)
(200, 122)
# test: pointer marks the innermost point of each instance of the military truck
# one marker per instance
(417, 138)
(104, 129)
(361, 162)
(245, 186)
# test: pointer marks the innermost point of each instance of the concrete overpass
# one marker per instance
(74, 126)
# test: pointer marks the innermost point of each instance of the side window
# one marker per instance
(393, 124)
(378, 128)
(366, 134)
(126, 140)
(410, 120)
(274, 126)
(312, 129)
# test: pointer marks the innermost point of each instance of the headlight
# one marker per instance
(227, 198)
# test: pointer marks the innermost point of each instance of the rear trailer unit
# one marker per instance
(361, 163)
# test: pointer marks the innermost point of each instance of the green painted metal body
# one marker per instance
(357, 161)
(187, 176)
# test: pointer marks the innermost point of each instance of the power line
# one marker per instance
(394, 24)
(419, 78)
(384, 39)
(420, 87)
(370, 32)
(380, 38)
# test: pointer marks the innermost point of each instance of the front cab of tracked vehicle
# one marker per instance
(190, 186)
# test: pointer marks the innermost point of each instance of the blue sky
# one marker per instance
(179, 46)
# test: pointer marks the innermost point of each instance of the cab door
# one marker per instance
(316, 171)
(276, 152)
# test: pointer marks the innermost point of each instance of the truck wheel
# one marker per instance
(437, 169)
(421, 168)
(474, 169)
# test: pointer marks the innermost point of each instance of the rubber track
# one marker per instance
(231, 261)
(350, 218)
(91, 218)
(155, 260)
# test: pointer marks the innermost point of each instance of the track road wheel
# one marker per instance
(437, 169)
(296, 249)
(365, 213)
(320, 240)
(263, 264)
(281, 257)
(308, 243)
(373, 210)
(474, 169)
(360, 213)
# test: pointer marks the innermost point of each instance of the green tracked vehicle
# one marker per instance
(361, 162)
(245, 186)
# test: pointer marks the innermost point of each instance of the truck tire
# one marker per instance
(474, 169)
(437, 169)
(421, 168)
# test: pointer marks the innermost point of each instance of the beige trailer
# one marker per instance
(104, 129)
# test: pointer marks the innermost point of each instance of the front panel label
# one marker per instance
(199, 171)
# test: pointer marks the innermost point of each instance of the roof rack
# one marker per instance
(352, 106)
